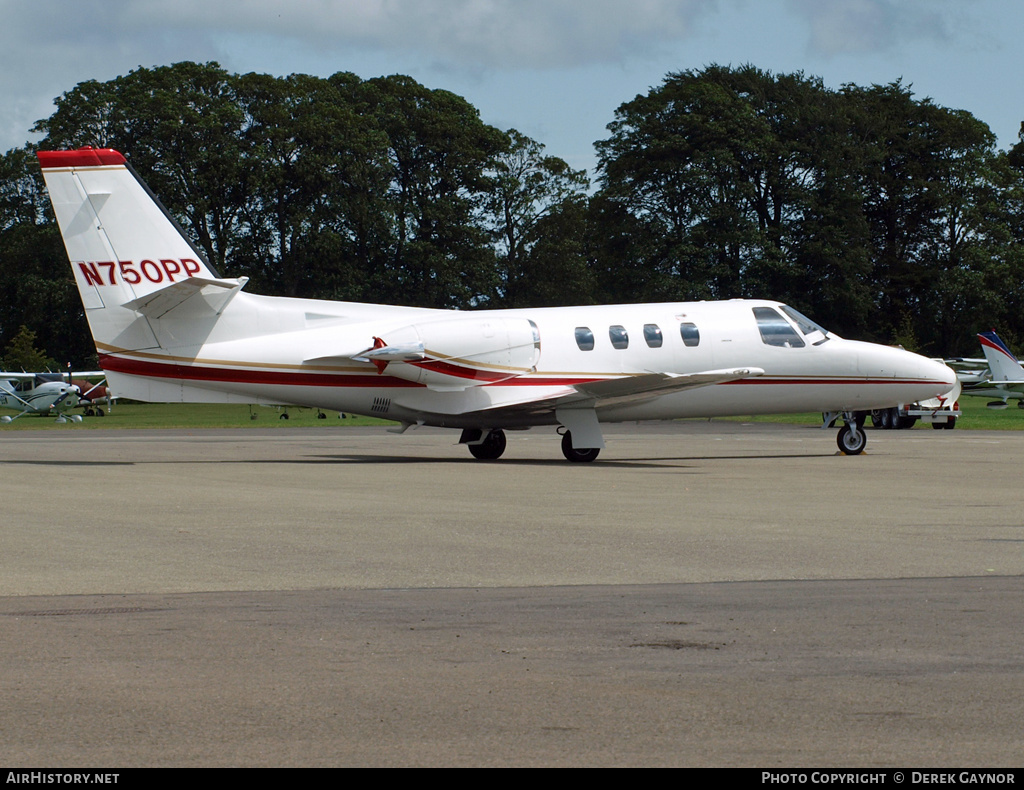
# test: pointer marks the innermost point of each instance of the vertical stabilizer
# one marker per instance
(1001, 361)
(121, 242)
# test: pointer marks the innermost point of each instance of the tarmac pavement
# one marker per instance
(706, 593)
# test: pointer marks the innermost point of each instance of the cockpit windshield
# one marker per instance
(814, 333)
(776, 329)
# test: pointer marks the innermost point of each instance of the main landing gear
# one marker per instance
(491, 445)
(578, 455)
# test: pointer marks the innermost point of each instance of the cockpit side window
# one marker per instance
(584, 338)
(776, 330)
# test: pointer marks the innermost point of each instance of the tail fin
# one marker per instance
(121, 241)
(131, 260)
(1001, 361)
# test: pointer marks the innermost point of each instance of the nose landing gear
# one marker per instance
(851, 438)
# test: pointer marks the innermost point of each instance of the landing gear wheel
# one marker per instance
(851, 440)
(577, 455)
(491, 448)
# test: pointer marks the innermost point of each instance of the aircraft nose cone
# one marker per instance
(948, 374)
(935, 374)
(937, 371)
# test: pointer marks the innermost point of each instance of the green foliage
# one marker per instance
(21, 354)
(37, 289)
(536, 207)
(883, 215)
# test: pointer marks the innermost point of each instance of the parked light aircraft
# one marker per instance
(50, 394)
(999, 375)
(168, 328)
(38, 393)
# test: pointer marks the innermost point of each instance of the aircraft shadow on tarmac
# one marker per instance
(624, 463)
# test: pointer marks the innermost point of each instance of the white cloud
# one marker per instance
(481, 33)
(865, 26)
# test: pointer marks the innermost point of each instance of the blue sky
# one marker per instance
(554, 69)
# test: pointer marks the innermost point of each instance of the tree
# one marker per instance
(313, 165)
(180, 127)
(37, 288)
(928, 186)
(718, 165)
(535, 211)
(22, 355)
(438, 150)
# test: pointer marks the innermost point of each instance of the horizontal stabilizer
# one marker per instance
(159, 303)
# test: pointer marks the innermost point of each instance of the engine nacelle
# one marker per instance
(457, 353)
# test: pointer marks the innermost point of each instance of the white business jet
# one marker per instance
(169, 329)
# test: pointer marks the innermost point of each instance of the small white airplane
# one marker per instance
(50, 394)
(169, 329)
(38, 393)
(999, 375)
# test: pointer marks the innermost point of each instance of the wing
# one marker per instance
(633, 389)
(616, 392)
(995, 386)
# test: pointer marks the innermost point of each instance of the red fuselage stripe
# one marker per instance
(163, 370)
(461, 371)
(241, 375)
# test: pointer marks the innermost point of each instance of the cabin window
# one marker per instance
(584, 338)
(690, 334)
(776, 330)
(652, 334)
(619, 336)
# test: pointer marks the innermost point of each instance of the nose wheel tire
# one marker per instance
(851, 440)
(577, 454)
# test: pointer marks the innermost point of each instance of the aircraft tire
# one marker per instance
(491, 448)
(851, 440)
(578, 455)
